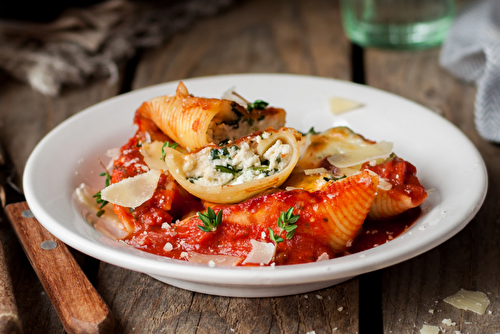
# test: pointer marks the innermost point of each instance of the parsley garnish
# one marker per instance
(167, 144)
(210, 220)
(257, 105)
(286, 222)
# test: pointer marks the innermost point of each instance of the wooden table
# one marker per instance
(283, 36)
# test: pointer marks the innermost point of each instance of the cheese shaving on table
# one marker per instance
(475, 301)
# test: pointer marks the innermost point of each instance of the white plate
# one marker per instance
(448, 165)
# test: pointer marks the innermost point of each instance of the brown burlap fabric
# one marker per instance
(90, 42)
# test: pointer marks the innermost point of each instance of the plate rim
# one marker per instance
(274, 276)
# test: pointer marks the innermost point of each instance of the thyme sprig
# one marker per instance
(276, 238)
(167, 144)
(210, 220)
(286, 222)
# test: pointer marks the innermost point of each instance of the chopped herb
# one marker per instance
(217, 153)
(234, 147)
(311, 131)
(167, 144)
(333, 178)
(261, 117)
(210, 220)
(286, 222)
(193, 178)
(276, 238)
(97, 195)
(269, 171)
(226, 169)
(278, 159)
(259, 168)
(257, 105)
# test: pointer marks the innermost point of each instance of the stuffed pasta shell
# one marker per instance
(238, 170)
(325, 222)
(339, 152)
(194, 122)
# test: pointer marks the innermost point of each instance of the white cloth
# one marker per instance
(471, 52)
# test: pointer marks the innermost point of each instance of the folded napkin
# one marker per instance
(471, 52)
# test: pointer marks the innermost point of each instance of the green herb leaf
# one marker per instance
(210, 220)
(276, 238)
(333, 178)
(216, 153)
(257, 105)
(311, 131)
(193, 178)
(97, 195)
(226, 169)
(286, 222)
(167, 144)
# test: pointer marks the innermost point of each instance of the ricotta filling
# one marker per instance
(232, 165)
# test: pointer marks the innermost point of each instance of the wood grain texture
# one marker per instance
(144, 305)
(413, 291)
(300, 37)
(25, 117)
(77, 303)
(9, 314)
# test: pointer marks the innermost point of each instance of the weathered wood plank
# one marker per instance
(470, 259)
(303, 37)
(25, 117)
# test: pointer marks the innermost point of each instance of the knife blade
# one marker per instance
(78, 305)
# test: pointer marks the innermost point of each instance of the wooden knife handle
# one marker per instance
(79, 306)
(9, 316)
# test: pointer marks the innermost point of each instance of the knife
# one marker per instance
(77, 303)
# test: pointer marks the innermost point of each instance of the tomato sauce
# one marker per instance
(155, 225)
